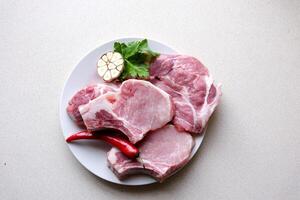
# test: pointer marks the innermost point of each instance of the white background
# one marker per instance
(252, 147)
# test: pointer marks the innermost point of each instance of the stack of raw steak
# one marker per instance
(180, 92)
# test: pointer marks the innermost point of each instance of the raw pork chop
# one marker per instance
(136, 108)
(83, 96)
(189, 83)
(162, 152)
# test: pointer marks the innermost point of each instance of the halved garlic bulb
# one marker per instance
(110, 66)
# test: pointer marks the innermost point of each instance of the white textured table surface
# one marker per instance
(252, 147)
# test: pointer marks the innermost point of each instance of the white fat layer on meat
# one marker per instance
(89, 110)
(99, 90)
(113, 160)
(111, 156)
(207, 109)
(102, 87)
(187, 101)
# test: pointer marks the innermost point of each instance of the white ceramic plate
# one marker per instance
(92, 154)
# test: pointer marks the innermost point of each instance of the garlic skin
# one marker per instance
(110, 66)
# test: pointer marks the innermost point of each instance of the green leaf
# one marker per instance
(118, 47)
(144, 49)
(132, 48)
(135, 70)
(137, 56)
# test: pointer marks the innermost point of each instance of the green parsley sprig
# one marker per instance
(137, 58)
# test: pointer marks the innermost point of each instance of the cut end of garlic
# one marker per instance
(110, 66)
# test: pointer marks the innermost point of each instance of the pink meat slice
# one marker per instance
(136, 108)
(162, 152)
(188, 81)
(83, 96)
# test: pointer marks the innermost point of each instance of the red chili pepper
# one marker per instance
(123, 145)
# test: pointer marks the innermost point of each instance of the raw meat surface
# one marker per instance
(136, 108)
(189, 83)
(162, 153)
(83, 96)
